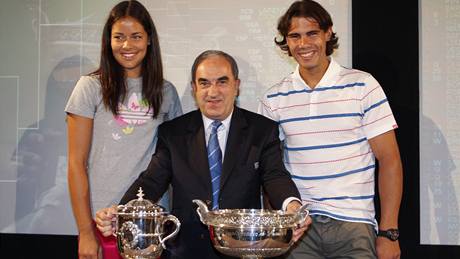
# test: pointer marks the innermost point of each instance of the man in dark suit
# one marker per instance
(252, 159)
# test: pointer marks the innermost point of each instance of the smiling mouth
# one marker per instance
(306, 55)
(128, 56)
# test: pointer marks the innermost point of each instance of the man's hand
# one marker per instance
(293, 207)
(105, 220)
(387, 249)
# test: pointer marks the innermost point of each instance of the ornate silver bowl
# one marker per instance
(140, 228)
(251, 233)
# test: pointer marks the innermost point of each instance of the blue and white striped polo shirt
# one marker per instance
(325, 132)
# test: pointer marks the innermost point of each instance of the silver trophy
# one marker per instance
(251, 233)
(140, 228)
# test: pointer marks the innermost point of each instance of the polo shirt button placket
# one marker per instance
(313, 109)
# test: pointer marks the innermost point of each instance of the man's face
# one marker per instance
(307, 44)
(215, 88)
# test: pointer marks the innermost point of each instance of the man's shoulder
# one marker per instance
(180, 123)
(352, 74)
(285, 84)
(255, 119)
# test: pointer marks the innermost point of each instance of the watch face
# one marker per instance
(392, 234)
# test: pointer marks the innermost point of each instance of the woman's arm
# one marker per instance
(79, 142)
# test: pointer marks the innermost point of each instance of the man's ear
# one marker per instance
(329, 34)
(237, 85)
(193, 89)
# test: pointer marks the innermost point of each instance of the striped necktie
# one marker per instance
(215, 163)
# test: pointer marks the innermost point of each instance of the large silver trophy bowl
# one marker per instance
(140, 228)
(251, 233)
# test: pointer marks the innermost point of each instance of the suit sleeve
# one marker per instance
(156, 178)
(277, 181)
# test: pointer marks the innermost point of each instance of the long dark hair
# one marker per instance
(306, 9)
(111, 73)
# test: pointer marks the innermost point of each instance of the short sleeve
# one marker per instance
(85, 97)
(172, 99)
(377, 115)
(266, 110)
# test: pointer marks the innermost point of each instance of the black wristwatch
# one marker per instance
(392, 234)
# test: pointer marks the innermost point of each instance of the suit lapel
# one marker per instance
(236, 137)
(196, 145)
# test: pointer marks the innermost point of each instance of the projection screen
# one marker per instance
(439, 122)
(48, 44)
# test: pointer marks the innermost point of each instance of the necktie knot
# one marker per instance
(215, 125)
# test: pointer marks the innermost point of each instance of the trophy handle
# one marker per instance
(303, 212)
(174, 233)
(202, 209)
(115, 225)
(115, 222)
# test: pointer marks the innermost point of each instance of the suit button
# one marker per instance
(202, 236)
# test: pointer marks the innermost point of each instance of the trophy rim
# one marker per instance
(251, 218)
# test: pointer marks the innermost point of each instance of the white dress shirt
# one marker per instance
(222, 132)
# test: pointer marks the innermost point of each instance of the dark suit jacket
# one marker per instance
(253, 159)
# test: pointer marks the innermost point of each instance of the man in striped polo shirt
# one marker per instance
(335, 122)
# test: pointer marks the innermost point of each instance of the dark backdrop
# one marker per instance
(385, 43)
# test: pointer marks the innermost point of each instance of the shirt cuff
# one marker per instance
(288, 200)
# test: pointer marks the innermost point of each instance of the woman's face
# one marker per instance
(129, 43)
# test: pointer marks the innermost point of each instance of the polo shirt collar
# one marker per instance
(328, 78)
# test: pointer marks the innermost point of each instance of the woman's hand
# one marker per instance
(88, 246)
(105, 220)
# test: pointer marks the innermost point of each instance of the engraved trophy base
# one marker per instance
(252, 253)
(138, 257)
(151, 252)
